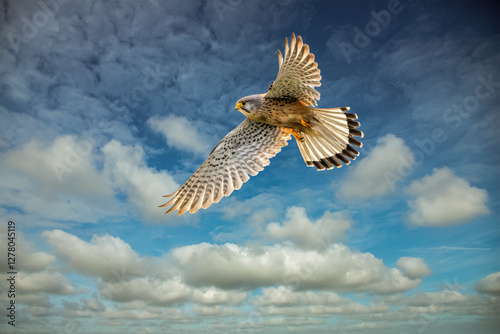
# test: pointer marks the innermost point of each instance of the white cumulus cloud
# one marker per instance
(150, 290)
(490, 284)
(443, 199)
(377, 173)
(413, 267)
(48, 281)
(144, 185)
(284, 296)
(57, 181)
(213, 296)
(306, 233)
(216, 311)
(285, 301)
(231, 266)
(106, 257)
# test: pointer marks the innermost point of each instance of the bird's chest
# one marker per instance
(282, 112)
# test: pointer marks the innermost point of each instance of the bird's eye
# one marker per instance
(243, 103)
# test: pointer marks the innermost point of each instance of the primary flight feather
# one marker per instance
(324, 136)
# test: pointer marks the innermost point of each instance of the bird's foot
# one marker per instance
(305, 123)
(298, 135)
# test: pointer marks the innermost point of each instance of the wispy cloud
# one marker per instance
(445, 248)
(182, 134)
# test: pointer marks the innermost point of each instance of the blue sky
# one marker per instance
(106, 106)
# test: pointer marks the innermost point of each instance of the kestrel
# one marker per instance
(323, 135)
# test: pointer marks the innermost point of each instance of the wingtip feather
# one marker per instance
(172, 194)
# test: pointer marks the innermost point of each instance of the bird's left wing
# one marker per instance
(245, 150)
(298, 74)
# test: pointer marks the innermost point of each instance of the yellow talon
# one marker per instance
(298, 136)
(305, 123)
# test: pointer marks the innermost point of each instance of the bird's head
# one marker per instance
(249, 104)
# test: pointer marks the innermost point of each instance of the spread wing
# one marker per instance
(245, 150)
(298, 74)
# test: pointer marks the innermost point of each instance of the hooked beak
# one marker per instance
(238, 106)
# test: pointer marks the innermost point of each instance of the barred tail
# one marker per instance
(327, 143)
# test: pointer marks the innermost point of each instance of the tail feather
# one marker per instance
(348, 154)
(352, 150)
(354, 141)
(328, 143)
(352, 124)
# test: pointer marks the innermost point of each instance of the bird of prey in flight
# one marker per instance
(324, 135)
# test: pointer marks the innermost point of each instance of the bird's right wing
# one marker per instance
(245, 150)
(298, 74)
